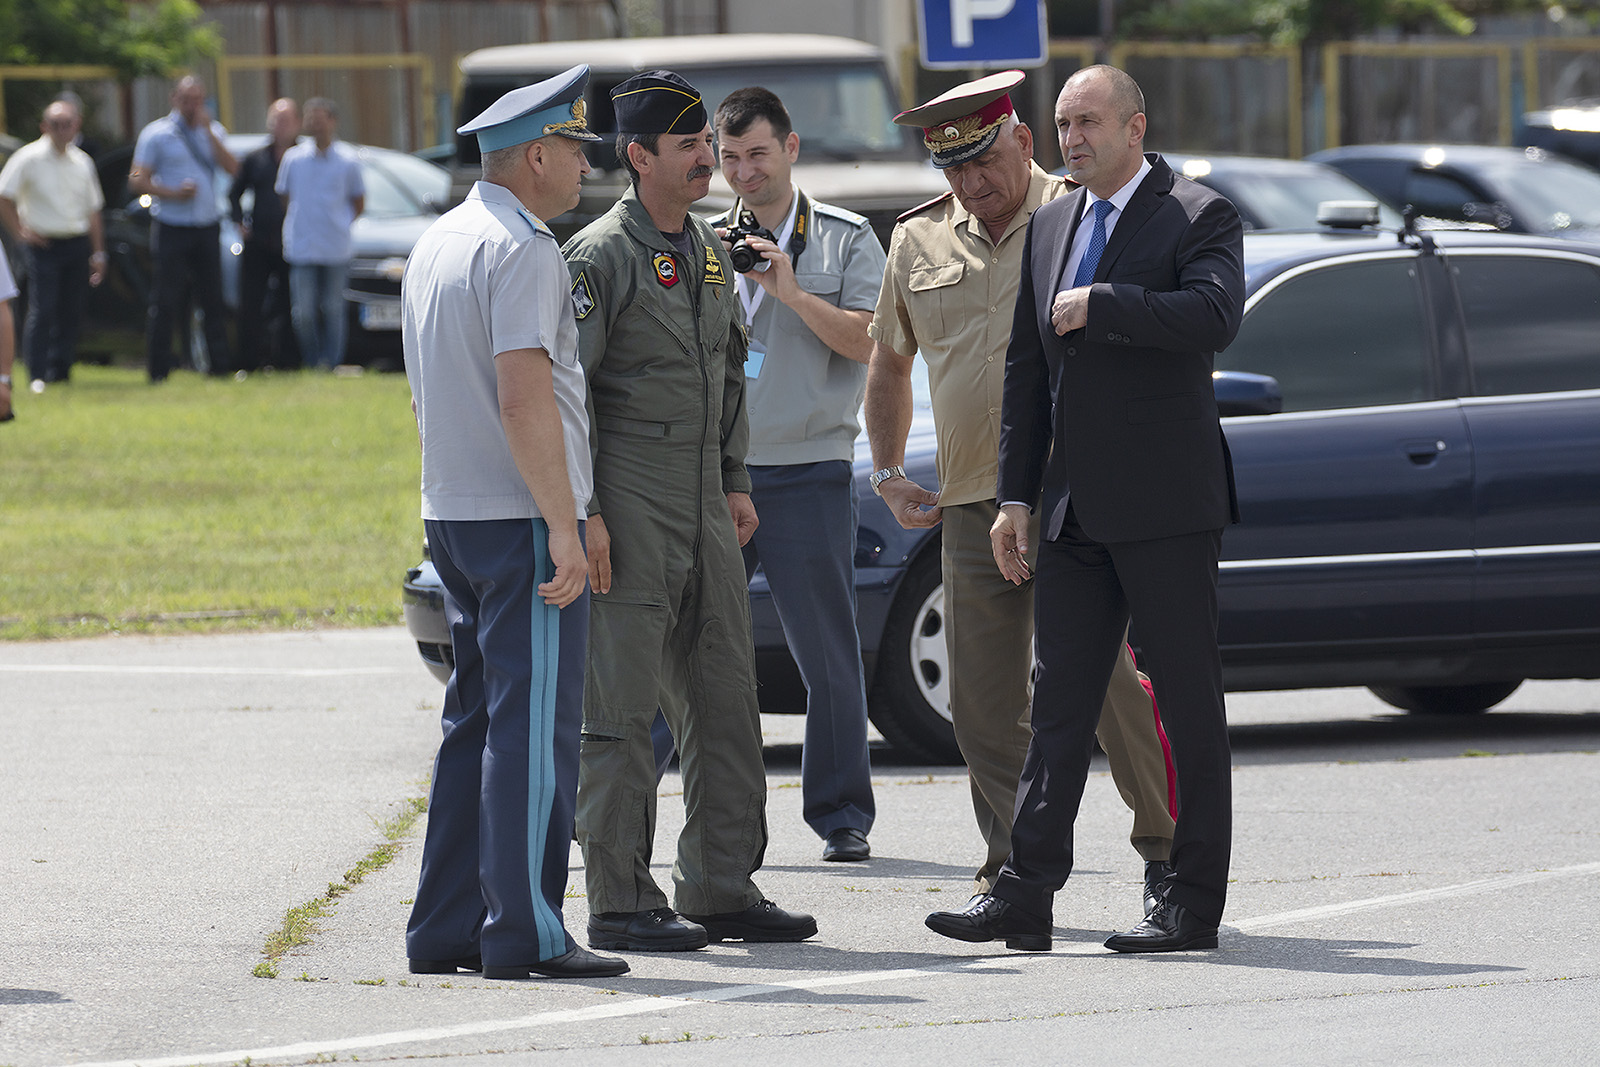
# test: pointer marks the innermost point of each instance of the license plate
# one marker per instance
(384, 316)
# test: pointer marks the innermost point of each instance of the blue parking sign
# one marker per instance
(981, 33)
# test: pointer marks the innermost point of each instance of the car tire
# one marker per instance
(1445, 699)
(910, 698)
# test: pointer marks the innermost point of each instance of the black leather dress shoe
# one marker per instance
(988, 918)
(579, 963)
(846, 845)
(1155, 872)
(658, 930)
(762, 921)
(1169, 928)
(460, 963)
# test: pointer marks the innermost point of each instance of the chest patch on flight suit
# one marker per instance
(582, 299)
(666, 269)
(714, 275)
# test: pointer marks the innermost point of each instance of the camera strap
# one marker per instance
(792, 237)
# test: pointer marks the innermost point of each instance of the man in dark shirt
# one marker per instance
(265, 336)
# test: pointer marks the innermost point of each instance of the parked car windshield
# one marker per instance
(1552, 194)
(839, 111)
(1282, 200)
(398, 184)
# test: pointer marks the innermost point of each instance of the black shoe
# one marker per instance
(1169, 928)
(658, 930)
(579, 963)
(846, 845)
(1155, 872)
(762, 921)
(461, 963)
(988, 918)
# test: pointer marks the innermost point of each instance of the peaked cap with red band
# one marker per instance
(961, 124)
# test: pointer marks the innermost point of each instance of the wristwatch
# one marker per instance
(879, 477)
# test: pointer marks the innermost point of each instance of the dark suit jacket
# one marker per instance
(1121, 414)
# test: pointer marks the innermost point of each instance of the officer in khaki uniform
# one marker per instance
(663, 346)
(948, 293)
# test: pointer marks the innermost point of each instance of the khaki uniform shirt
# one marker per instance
(949, 293)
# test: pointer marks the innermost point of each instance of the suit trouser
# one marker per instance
(185, 256)
(500, 811)
(806, 545)
(989, 630)
(265, 334)
(685, 650)
(1086, 591)
(58, 278)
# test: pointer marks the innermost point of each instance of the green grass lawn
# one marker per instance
(283, 500)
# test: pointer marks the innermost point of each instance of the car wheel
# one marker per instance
(1445, 699)
(910, 699)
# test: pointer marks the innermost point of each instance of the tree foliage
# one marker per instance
(134, 39)
(1286, 21)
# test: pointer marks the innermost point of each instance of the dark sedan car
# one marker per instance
(1271, 193)
(1520, 190)
(1422, 516)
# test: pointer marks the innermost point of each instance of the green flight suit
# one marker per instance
(663, 346)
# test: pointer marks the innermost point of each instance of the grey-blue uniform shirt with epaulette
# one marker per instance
(478, 284)
(803, 398)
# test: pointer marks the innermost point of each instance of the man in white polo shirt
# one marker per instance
(491, 350)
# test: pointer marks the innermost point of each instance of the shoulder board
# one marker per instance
(920, 208)
(837, 212)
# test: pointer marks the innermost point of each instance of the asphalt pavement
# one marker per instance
(1405, 889)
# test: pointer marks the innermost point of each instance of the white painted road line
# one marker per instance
(1482, 885)
(646, 1005)
(153, 668)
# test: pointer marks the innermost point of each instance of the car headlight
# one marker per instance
(392, 268)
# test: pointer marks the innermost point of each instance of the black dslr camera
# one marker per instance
(745, 258)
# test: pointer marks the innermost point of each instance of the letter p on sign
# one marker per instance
(963, 13)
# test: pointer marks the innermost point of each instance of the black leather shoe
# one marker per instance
(461, 963)
(1169, 928)
(762, 921)
(988, 918)
(658, 930)
(1155, 872)
(846, 845)
(579, 963)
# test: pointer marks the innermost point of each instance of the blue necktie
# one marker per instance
(1097, 245)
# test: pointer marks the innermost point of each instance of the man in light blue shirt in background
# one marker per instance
(175, 164)
(320, 184)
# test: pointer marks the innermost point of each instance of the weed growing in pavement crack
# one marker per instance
(300, 922)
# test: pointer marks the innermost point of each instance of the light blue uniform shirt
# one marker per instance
(320, 186)
(171, 152)
(486, 278)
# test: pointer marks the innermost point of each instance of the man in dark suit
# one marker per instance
(1129, 287)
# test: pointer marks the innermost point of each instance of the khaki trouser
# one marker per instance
(989, 633)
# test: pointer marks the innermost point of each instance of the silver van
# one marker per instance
(838, 92)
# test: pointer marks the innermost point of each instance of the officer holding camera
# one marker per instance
(810, 274)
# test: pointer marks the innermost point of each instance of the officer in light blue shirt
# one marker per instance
(491, 348)
(175, 163)
(320, 184)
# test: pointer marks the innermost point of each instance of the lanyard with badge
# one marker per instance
(793, 237)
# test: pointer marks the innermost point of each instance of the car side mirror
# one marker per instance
(1241, 393)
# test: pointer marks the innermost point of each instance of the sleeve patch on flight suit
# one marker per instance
(582, 299)
(666, 269)
(714, 275)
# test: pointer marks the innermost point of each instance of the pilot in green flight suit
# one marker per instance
(663, 347)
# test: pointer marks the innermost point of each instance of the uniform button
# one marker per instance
(991, 311)
(1072, 351)
(989, 359)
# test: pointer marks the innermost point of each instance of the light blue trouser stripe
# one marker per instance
(544, 628)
